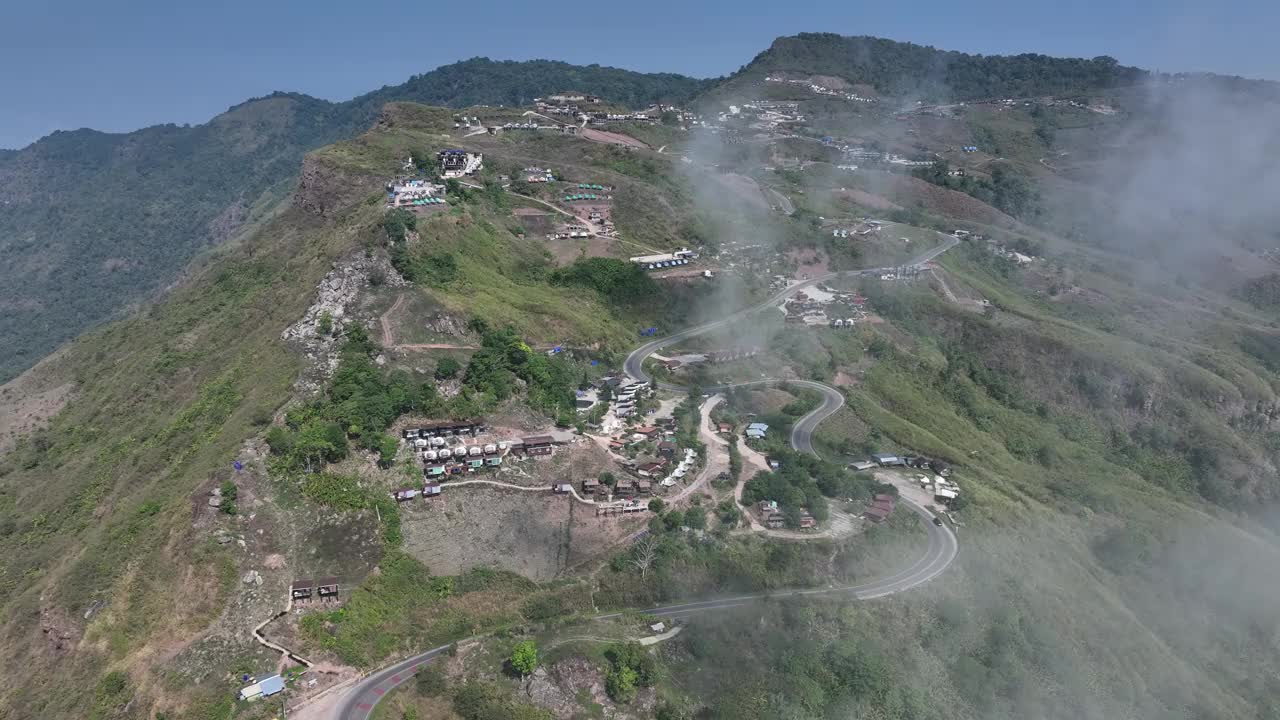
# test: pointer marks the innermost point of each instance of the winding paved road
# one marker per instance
(359, 701)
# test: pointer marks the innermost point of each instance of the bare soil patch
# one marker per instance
(29, 401)
(866, 199)
(612, 138)
(810, 263)
(536, 535)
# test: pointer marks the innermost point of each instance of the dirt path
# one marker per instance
(717, 452)
(510, 486)
(388, 337)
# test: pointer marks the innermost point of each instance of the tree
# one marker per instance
(620, 684)
(524, 657)
(606, 478)
(447, 368)
(431, 681)
(695, 519)
(656, 505)
(643, 554)
(325, 325)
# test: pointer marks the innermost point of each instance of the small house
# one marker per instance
(624, 487)
(757, 430)
(876, 514)
(886, 460)
(435, 471)
(590, 485)
(431, 489)
(644, 487)
(327, 587)
(539, 445)
(405, 494)
(563, 488)
(667, 448)
(807, 521)
(494, 461)
(725, 428)
(648, 469)
(302, 589)
(861, 465)
(475, 463)
(272, 685)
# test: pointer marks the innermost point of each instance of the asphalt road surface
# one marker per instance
(358, 702)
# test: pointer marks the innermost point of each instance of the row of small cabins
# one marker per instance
(323, 589)
(665, 260)
(891, 460)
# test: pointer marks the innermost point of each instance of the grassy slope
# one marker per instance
(99, 507)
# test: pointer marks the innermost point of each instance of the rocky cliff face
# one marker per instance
(324, 189)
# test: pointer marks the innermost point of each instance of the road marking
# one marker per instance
(379, 691)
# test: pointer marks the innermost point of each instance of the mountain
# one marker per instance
(91, 221)
(1112, 430)
(910, 71)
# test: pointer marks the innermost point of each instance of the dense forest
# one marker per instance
(909, 70)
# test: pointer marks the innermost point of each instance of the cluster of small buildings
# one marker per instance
(757, 431)
(601, 118)
(821, 90)
(1022, 259)
(580, 197)
(771, 516)
(414, 192)
(457, 163)
(862, 229)
(812, 310)
(538, 175)
(891, 460)
(625, 395)
(571, 232)
(717, 357)
(902, 272)
(454, 447)
(665, 260)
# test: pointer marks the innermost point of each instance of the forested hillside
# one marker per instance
(92, 221)
(921, 72)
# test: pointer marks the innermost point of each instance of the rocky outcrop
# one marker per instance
(336, 298)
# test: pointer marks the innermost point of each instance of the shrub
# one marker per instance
(524, 657)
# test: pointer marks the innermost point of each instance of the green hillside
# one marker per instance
(1113, 426)
(118, 216)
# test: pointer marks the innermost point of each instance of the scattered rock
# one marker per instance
(253, 577)
(222, 537)
(215, 502)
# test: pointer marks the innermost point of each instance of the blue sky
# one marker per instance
(75, 63)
